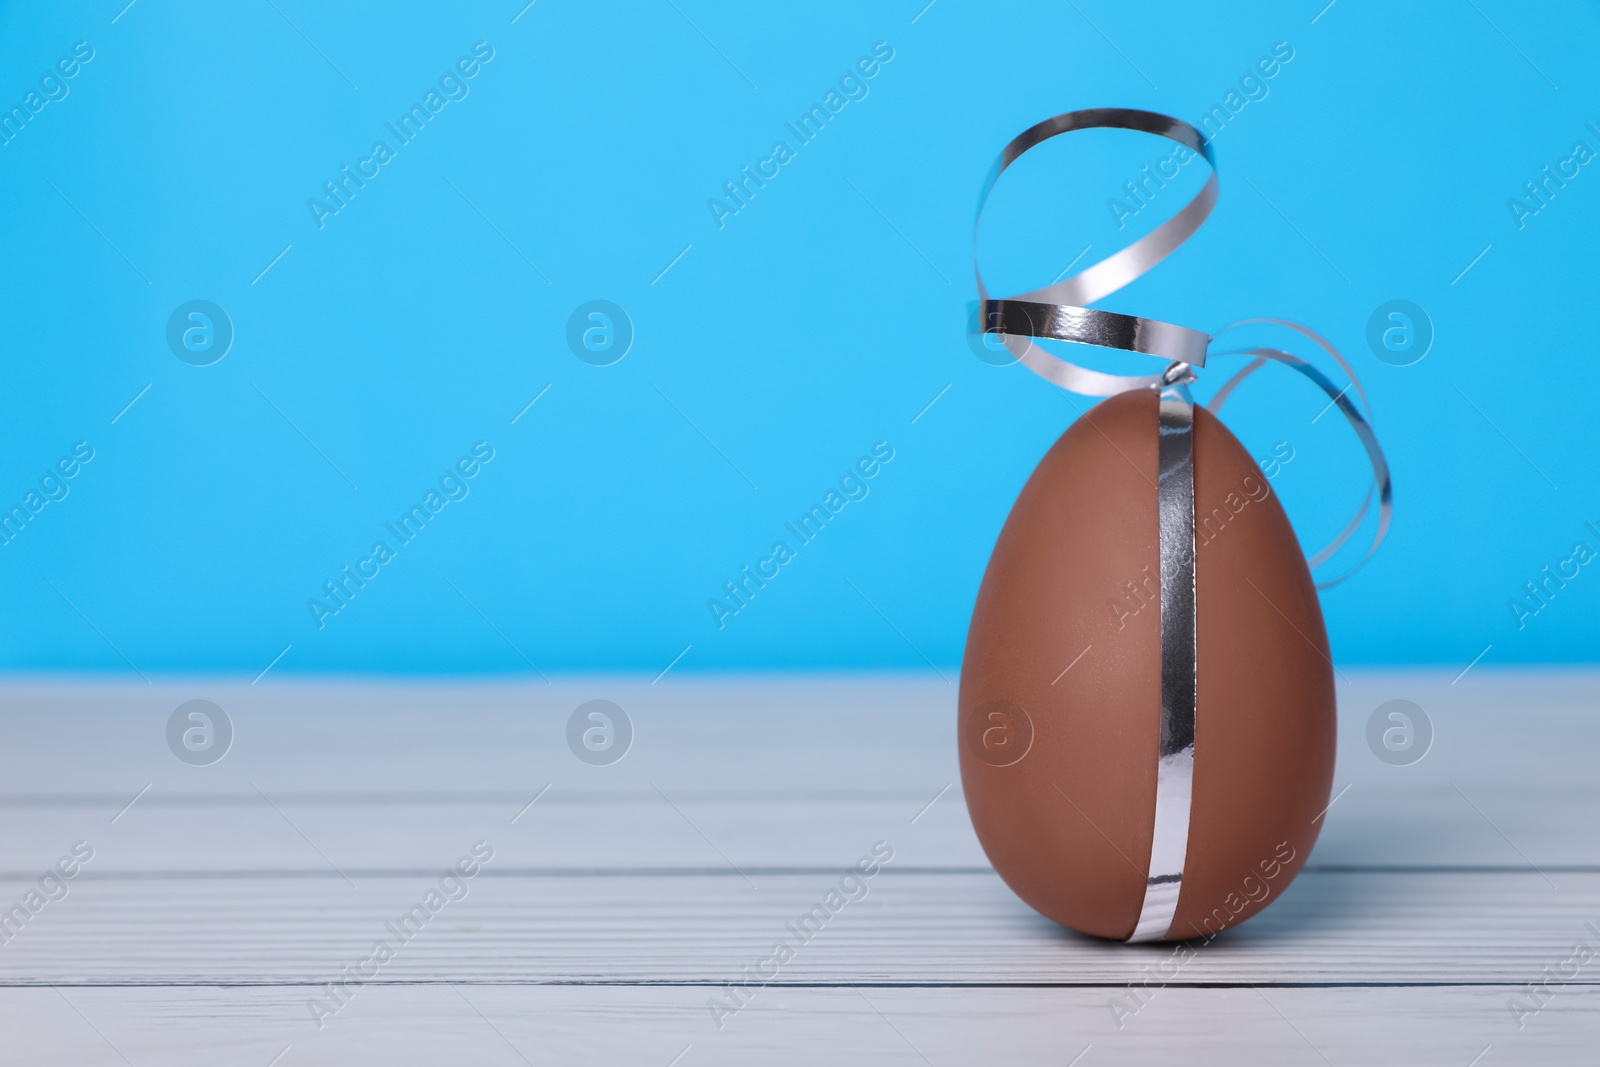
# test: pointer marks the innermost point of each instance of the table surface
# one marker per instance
(225, 906)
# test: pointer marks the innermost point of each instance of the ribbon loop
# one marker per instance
(1058, 312)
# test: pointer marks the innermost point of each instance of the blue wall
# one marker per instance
(376, 347)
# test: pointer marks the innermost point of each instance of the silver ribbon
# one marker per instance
(1058, 312)
(1169, 843)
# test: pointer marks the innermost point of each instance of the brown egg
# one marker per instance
(1060, 706)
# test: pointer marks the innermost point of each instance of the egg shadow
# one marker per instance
(1321, 903)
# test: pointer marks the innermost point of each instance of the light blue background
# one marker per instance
(821, 319)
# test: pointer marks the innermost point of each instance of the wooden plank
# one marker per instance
(1434, 826)
(771, 734)
(518, 1025)
(955, 929)
(1459, 824)
(560, 831)
(771, 773)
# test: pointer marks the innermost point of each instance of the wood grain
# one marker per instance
(911, 927)
(516, 1025)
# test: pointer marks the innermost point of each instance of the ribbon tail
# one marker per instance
(1381, 485)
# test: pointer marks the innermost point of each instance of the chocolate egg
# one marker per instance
(1061, 712)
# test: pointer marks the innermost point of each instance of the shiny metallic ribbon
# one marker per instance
(1058, 312)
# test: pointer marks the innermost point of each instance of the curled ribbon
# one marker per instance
(1060, 312)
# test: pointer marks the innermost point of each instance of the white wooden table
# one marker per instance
(220, 903)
